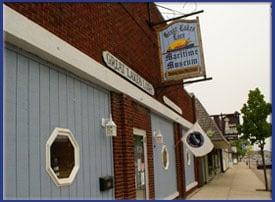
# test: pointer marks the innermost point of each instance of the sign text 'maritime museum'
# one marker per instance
(181, 50)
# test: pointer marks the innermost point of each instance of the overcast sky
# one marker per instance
(236, 41)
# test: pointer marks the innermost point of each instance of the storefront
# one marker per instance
(216, 161)
(40, 97)
(61, 93)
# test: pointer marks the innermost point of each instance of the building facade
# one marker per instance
(59, 89)
(228, 123)
(217, 160)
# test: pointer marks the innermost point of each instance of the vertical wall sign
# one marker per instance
(180, 50)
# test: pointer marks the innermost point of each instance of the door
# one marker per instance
(140, 153)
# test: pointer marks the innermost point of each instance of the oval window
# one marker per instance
(165, 157)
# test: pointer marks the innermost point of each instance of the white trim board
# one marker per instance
(171, 104)
(172, 196)
(191, 185)
(26, 34)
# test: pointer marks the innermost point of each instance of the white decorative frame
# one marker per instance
(164, 147)
(54, 134)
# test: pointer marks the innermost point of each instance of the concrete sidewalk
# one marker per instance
(238, 182)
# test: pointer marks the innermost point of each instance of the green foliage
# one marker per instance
(255, 128)
(242, 146)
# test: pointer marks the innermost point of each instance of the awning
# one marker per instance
(197, 141)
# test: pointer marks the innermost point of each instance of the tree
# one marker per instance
(255, 127)
(242, 146)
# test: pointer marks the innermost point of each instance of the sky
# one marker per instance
(236, 40)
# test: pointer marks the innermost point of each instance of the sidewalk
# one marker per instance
(238, 182)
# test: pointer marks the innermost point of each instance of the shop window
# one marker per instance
(62, 157)
(165, 157)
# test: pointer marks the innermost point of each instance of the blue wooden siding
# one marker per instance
(189, 169)
(39, 97)
(165, 180)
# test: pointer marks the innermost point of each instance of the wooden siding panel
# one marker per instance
(34, 139)
(189, 169)
(22, 129)
(54, 119)
(44, 130)
(97, 141)
(63, 118)
(78, 136)
(71, 124)
(41, 98)
(85, 142)
(92, 140)
(10, 73)
(165, 180)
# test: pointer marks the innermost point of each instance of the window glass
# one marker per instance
(62, 156)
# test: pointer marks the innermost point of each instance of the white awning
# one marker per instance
(197, 141)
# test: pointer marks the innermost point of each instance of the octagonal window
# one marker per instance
(62, 156)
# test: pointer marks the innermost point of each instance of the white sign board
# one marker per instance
(125, 71)
(180, 50)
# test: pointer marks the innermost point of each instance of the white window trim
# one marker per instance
(142, 133)
(168, 159)
(54, 134)
(33, 38)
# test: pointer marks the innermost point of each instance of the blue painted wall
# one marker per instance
(189, 169)
(165, 180)
(38, 98)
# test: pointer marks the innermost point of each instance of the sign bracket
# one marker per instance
(151, 24)
(198, 80)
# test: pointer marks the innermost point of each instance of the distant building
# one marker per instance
(219, 158)
(228, 123)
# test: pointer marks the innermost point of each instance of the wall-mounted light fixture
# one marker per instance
(110, 126)
(158, 137)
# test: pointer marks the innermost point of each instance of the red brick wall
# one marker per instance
(127, 115)
(179, 160)
(181, 98)
(121, 28)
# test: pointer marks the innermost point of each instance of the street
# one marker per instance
(238, 182)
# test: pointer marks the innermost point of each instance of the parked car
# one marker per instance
(268, 165)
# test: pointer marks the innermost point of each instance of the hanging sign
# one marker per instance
(125, 71)
(180, 50)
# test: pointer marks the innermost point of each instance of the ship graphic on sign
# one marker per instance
(180, 44)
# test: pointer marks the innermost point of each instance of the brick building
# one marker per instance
(58, 88)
